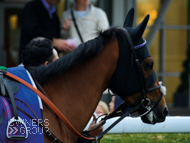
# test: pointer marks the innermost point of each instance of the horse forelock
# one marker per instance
(84, 52)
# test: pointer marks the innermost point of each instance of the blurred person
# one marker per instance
(39, 19)
(38, 52)
(101, 109)
(115, 102)
(88, 18)
(112, 104)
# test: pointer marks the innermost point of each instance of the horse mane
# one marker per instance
(84, 52)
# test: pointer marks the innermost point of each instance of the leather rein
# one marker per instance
(143, 103)
(122, 107)
(50, 105)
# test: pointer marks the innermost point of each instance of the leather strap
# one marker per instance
(11, 96)
(40, 124)
(142, 79)
(51, 105)
(60, 115)
(76, 26)
(112, 125)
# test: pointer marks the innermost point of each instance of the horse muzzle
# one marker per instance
(155, 116)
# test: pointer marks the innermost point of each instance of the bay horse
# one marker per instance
(75, 82)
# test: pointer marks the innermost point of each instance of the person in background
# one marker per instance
(115, 102)
(40, 52)
(39, 19)
(102, 108)
(112, 104)
(88, 18)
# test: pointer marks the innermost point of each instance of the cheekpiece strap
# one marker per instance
(131, 43)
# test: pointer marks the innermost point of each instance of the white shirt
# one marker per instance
(89, 24)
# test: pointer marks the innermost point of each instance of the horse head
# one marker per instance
(134, 79)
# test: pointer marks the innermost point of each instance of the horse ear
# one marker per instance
(129, 18)
(139, 30)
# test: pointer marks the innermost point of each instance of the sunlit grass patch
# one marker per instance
(146, 138)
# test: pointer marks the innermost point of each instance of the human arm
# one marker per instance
(65, 24)
(93, 125)
(37, 23)
(62, 45)
(94, 133)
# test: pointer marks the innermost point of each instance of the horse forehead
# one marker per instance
(142, 53)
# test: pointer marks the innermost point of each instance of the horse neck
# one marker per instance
(77, 93)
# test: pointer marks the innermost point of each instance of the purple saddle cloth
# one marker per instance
(35, 133)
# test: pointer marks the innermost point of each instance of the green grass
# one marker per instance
(146, 138)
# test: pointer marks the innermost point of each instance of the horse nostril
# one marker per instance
(165, 113)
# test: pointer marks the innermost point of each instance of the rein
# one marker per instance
(40, 124)
(50, 104)
(121, 110)
(144, 102)
(59, 114)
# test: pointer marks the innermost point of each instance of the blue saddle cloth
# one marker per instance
(35, 133)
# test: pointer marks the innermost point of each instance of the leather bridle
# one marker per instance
(144, 102)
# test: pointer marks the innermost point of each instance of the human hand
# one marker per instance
(93, 125)
(66, 24)
(72, 42)
(62, 45)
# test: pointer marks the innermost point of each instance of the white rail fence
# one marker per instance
(172, 124)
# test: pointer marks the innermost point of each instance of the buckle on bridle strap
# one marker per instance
(145, 102)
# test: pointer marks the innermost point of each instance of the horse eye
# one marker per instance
(148, 66)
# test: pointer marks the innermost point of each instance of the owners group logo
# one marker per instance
(32, 127)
